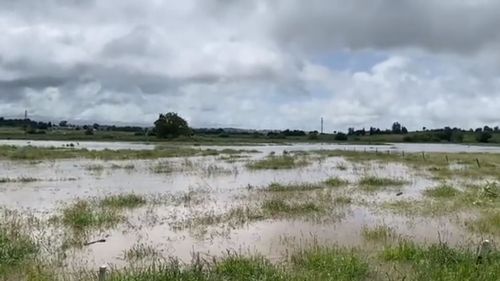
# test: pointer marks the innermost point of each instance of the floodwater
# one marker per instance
(223, 185)
(392, 147)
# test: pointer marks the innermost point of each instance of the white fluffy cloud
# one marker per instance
(253, 64)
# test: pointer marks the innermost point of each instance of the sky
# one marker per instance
(263, 64)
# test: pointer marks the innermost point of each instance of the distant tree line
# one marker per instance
(171, 125)
(397, 128)
(24, 123)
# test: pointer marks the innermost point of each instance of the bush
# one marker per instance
(483, 136)
(340, 137)
(89, 132)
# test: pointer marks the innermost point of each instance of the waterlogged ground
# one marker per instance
(270, 202)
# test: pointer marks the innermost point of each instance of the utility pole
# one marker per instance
(25, 121)
(321, 125)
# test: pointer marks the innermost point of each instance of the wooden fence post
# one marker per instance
(102, 272)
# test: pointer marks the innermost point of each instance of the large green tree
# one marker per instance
(171, 125)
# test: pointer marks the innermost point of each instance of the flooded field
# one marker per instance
(271, 202)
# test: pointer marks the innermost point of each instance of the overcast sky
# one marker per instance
(266, 64)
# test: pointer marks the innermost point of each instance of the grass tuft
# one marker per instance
(321, 263)
(16, 246)
(442, 191)
(381, 233)
(123, 201)
(379, 181)
(278, 187)
(278, 162)
(82, 215)
(281, 207)
(336, 182)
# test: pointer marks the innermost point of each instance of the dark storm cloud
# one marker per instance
(434, 25)
(34, 83)
(251, 62)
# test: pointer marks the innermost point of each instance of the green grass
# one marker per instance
(278, 187)
(476, 198)
(83, 215)
(279, 207)
(487, 223)
(278, 162)
(380, 181)
(231, 268)
(16, 246)
(129, 166)
(336, 182)
(44, 153)
(94, 167)
(312, 264)
(372, 184)
(94, 213)
(437, 164)
(141, 251)
(342, 200)
(19, 179)
(123, 201)
(381, 233)
(441, 262)
(322, 263)
(442, 191)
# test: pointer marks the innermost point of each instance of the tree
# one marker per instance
(396, 128)
(340, 136)
(89, 131)
(483, 136)
(404, 130)
(171, 125)
(487, 129)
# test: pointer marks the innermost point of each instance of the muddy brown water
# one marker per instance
(222, 184)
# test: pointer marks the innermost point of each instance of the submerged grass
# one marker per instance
(278, 187)
(141, 251)
(440, 165)
(487, 223)
(278, 162)
(123, 201)
(381, 233)
(19, 179)
(372, 183)
(83, 215)
(442, 191)
(380, 181)
(480, 198)
(94, 213)
(279, 207)
(47, 153)
(336, 182)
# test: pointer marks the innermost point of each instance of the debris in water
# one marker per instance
(94, 242)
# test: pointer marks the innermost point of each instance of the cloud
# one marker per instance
(255, 64)
(434, 25)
